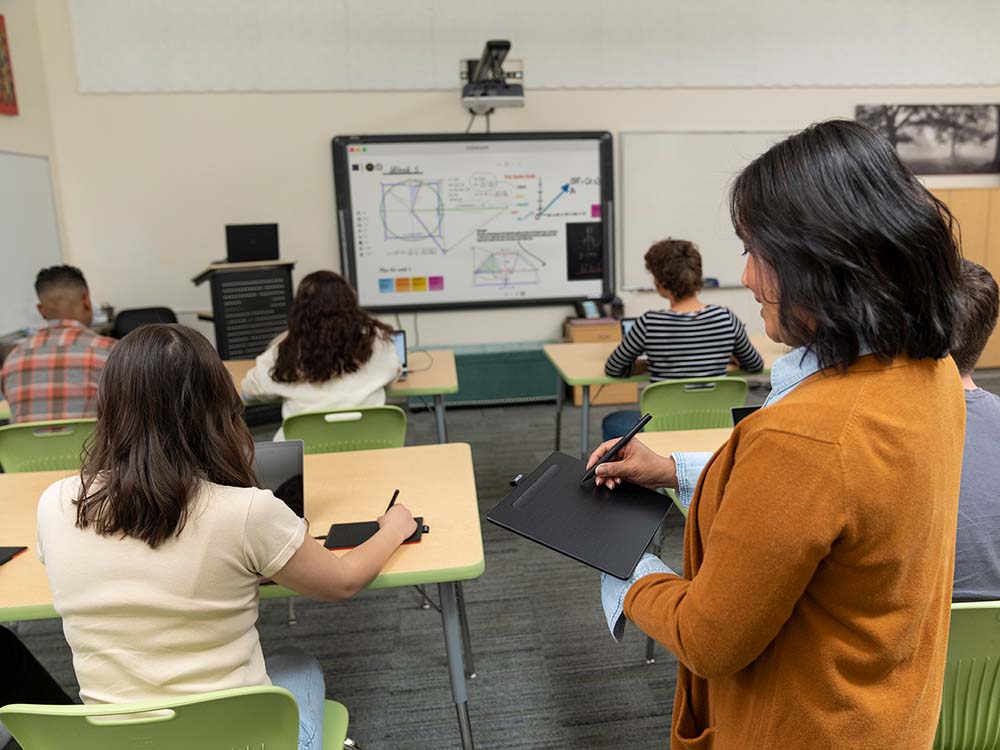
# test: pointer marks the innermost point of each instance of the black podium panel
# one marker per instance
(251, 308)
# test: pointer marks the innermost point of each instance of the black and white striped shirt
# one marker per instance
(685, 345)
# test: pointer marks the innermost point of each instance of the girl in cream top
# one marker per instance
(155, 551)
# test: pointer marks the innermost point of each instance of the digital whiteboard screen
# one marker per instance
(444, 221)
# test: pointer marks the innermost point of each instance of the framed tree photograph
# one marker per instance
(939, 138)
(8, 97)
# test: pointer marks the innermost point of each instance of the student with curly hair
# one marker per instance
(333, 355)
(690, 340)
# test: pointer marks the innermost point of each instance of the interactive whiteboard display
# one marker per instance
(477, 220)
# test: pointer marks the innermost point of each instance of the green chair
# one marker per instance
(692, 403)
(258, 717)
(359, 429)
(44, 446)
(970, 706)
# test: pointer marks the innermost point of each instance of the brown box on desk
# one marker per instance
(580, 330)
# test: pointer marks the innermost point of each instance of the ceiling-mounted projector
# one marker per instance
(488, 88)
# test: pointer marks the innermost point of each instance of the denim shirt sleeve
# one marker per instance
(614, 590)
(689, 468)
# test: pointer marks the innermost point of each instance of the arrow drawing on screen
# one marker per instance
(562, 191)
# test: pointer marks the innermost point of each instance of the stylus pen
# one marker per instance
(617, 447)
(393, 501)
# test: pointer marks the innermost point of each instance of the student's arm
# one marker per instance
(619, 364)
(257, 383)
(779, 518)
(746, 354)
(316, 572)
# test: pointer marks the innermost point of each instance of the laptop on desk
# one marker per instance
(399, 341)
(247, 243)
(278, 466)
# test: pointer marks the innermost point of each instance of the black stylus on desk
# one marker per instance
(592, 471)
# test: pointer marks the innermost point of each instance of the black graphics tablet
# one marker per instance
(742, 412)
(605, 529)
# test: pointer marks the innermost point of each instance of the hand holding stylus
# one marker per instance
(635, 463)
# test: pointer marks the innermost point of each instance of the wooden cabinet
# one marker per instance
(606, 329)
(977, 212)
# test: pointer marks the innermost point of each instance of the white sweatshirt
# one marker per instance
(364, 387)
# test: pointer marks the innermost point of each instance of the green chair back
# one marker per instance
(970, 706)
(44, 446)
(363, 428)
(692, 403)
(258, 717)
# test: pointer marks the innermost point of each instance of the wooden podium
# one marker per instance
(249, 304)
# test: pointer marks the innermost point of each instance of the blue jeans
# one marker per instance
(618, 423)
(300, 675)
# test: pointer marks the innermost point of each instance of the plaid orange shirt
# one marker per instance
(54, 374)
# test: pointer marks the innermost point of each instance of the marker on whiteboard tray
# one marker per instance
(710, 282)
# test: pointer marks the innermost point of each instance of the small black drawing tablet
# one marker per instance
(9, 553)
(349, 535)
(606, 529)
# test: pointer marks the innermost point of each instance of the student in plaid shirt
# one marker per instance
(54, 374)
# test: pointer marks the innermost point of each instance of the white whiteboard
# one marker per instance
(447, 221)
(29, 237)
(358, 45)
(676, 184)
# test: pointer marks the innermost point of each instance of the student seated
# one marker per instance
(977, 549)
(333, 355)
(164, 535)
(690, 340)
(54, 374)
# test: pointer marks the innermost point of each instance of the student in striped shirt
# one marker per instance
(690, 340)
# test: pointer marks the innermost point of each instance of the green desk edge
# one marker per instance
(383, 581)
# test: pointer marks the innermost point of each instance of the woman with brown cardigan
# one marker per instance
(813, 608)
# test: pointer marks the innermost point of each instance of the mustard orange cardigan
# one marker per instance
(818, 555)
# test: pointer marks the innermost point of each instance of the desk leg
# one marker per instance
(442, 429)
(463, 618)
(559, 404)
(453, 647)
(585, 422)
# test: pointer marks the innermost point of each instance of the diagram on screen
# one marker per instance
(412, 210)
(505, 267)
(443, 224)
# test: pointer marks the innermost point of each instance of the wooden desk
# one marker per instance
(436, 482)
(583, 365)
(675, 441)
(432, 373)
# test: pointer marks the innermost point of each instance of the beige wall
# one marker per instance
(147, 182)
(29, 132)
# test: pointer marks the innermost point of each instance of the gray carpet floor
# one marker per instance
(549, 674)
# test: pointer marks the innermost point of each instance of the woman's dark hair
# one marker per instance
(168, 416)
(676, 266)
(862, 254)
(328, 334)
(980, 306)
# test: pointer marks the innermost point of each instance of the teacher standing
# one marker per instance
(814, 604)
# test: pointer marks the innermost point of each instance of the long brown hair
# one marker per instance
(328, 334)
(168, 415)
